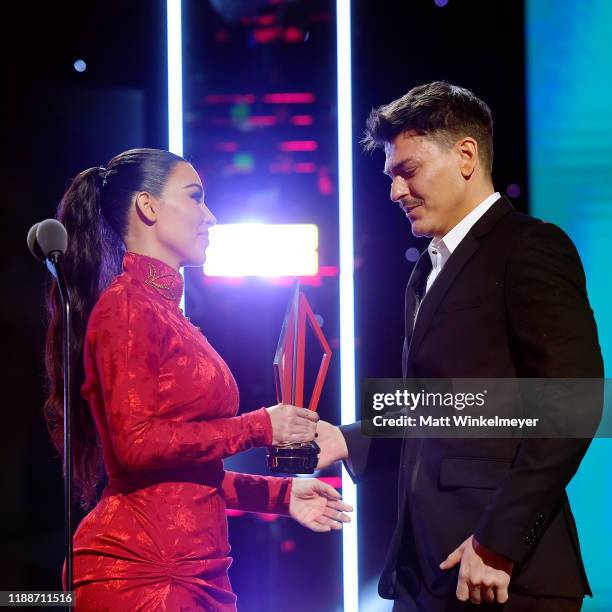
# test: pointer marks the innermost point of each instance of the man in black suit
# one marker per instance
(497, 294)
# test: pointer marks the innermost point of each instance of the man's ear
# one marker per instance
(467, 150)
(146, 207)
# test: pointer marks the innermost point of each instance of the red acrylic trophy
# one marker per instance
(289, 366)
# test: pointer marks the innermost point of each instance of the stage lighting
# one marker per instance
(412, 254)
(259, 249)
(513, 190)
(175, 76)
(350, 563)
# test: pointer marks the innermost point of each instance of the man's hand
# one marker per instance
(317, 505)
(332, 444)
(483, 574)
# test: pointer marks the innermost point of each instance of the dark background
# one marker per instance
(58, 121)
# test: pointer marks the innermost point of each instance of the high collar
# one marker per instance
(158, 276)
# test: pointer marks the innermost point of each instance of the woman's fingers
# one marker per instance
(316, 526)
(329, 522)
(339, 505)
(336, 515)
(307, 414)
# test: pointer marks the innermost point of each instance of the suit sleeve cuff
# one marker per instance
(510, 541)
(358, 447)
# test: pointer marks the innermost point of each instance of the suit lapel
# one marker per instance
(414, 288)
(468, 246)
(460, 256)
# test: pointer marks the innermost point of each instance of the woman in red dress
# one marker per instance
(158, 406)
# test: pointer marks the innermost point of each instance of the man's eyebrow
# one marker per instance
(395, 167)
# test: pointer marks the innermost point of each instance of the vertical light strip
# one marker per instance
(347, 306)
(175, 84)
(175, 77)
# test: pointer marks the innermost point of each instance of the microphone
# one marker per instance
(52, 237)
(48, 241)
(33, 244)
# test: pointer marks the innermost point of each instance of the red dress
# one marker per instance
(164, 404)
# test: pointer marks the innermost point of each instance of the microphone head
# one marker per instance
(33, 244)
(51, 236)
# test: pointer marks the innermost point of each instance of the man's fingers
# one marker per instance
(477, 581)
(452, 559)
(463, 592)
(475, 594)
(488, 594)
(502, 594)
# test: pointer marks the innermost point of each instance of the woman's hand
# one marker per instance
(292, 425)
(317, 505)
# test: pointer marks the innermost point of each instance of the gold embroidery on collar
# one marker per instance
(160, 282)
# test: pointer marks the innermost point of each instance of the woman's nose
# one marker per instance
(209, 218)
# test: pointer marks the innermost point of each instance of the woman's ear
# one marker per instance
(146, 207)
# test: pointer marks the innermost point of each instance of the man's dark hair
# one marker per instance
(443, 111)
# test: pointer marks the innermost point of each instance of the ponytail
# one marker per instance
(92, 259)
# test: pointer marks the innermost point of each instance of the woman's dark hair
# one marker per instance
(440, 110)
(94, 209)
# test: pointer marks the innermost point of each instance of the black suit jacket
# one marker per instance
(510, 302)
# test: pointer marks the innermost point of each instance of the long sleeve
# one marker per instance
(127, 348)
(256, 493)
(553, 335)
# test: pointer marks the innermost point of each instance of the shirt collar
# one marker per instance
(158, 276)
(440, 249)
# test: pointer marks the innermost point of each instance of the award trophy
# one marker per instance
(289, 366)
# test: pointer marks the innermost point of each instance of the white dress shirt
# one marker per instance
(440, 249)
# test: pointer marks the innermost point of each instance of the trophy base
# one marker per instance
(293, 458)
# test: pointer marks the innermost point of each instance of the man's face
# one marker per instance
(426, 181)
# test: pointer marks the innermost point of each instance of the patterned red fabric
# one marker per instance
(165, 406)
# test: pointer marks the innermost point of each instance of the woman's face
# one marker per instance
(183, 219)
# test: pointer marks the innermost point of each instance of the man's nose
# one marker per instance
(399, 189)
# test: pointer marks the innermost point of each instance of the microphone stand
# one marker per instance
(53, 262)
